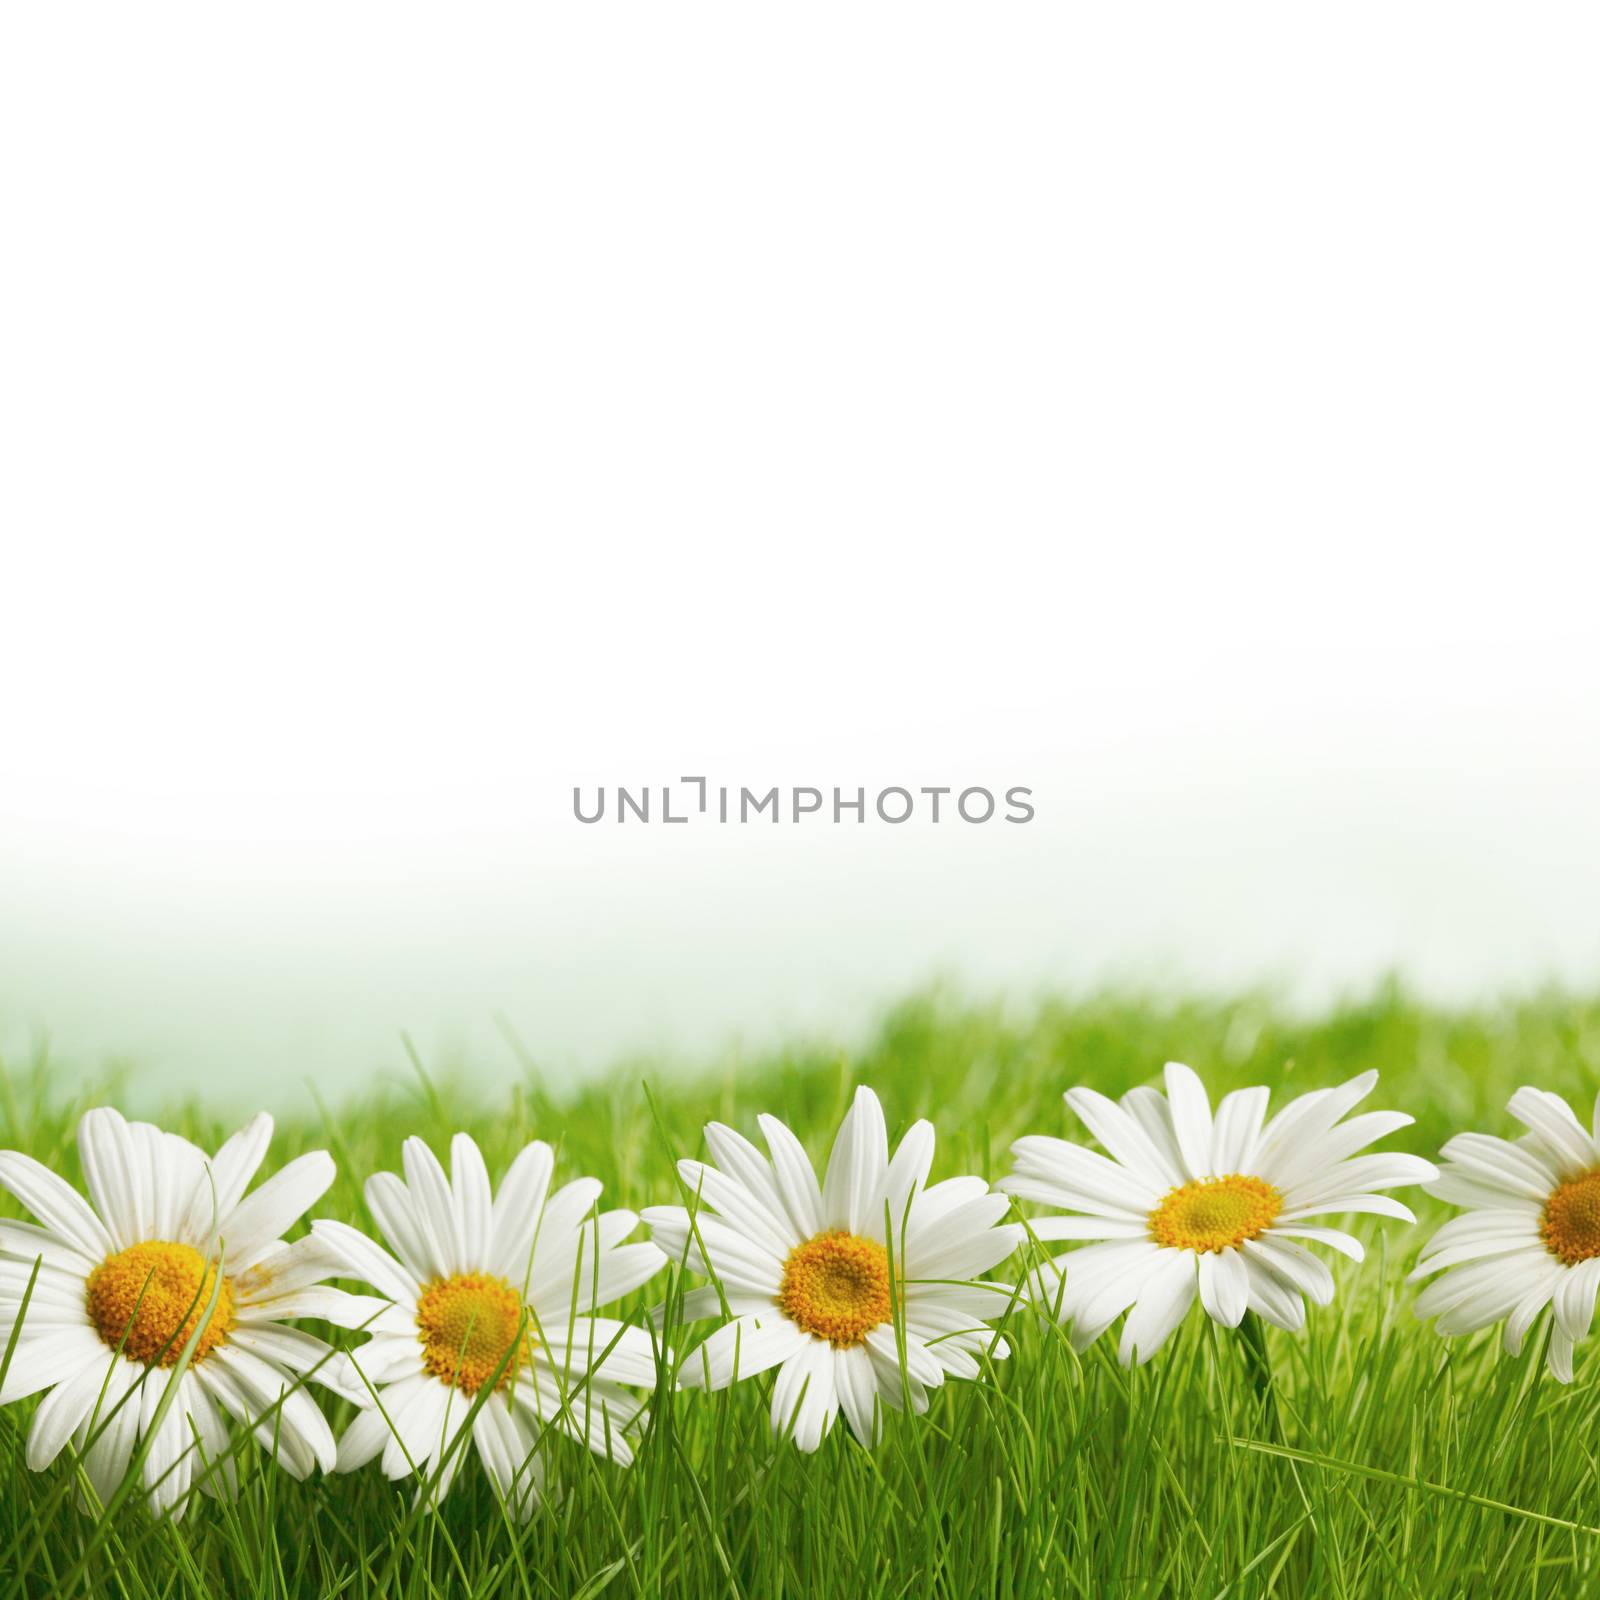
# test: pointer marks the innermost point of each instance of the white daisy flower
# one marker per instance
(1188, 1204)
(122, 1284)
(1529, 1236)
(817, 1276)
(497, 1289)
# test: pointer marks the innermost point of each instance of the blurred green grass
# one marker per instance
(1399, 1464)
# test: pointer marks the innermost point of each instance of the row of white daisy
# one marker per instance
(156, 1316)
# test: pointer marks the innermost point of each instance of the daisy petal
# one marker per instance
(285, 1269)
(1376, 1205)
(1237, 1130)
(1357, 1176)
(1295, 1265)
(469, 1185)
(742, 1266)
(805, 1398)
(1124, 1139)
(746, 1166)
(1272, 1300)
(215, 1473)
(1100, 1181)
(1224, 1286)
(857, 1388)
(1471, 1297)
(794, 1176)
(565, 1212)
(113, 1426)
(1191, 1118)
(55, 1203)
(1502, 1164)
(260, 1220)
(1306, 1119)
(29, 1243)
(62, 1412)
(737, 1206)
(364, 1259)
(1148, 1107)
(857, 1166)
(1473, 1250)
(434, 1204)
(1113, 1208)
(1344, 1243)
(392, 1208)
(1549, 1116)
(1048, 1228)
(1345, 1140)
(515, 1213)
(1574, 1299)
(1163, 1302)
(230, 1171)
(1526, 1311)
(505, 1446)
(1560, 1355)
(52, 1356)
(110, 1172)
(742, 1349)
(907, 1174)
(363, 1440)
(1455, 1187)
(919, 1364)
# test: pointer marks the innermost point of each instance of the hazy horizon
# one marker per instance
(1313, 866)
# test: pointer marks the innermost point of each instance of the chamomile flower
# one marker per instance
(119, 1286)
(498, 1291)
(818, 1275)
(1529, 1236)
(1188, 1205)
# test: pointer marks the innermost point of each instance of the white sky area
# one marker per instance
(409, 413)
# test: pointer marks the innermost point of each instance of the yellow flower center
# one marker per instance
(1570, 1226)
(1215, 1213)
(467, 1324)
(837, 1287)
(148, 1298)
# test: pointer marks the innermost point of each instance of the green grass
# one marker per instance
(1380, 1461)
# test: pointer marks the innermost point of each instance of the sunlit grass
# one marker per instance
(1377, 1461)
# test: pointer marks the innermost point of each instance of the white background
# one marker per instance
(410, 412)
